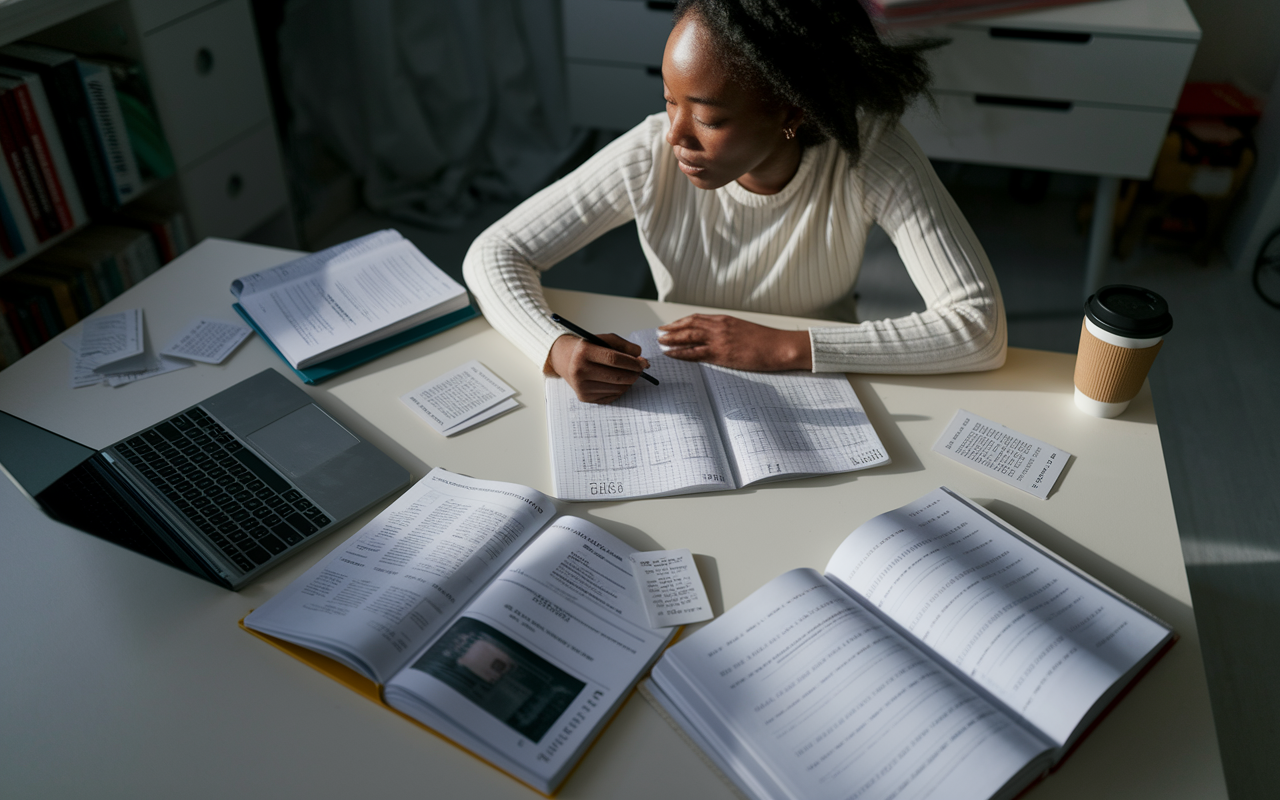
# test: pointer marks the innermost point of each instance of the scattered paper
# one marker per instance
(114, 342)
(1006, 455)
(207, 340)
(84, 375)
(670, 588)
(155, 365)
(461, 398)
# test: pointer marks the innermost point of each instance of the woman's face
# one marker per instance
(720, 131)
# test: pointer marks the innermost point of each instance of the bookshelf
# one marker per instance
(202, 65)
(201, 60)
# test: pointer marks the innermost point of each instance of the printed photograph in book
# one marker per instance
(501, 676)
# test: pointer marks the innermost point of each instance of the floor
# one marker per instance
(1216, 385)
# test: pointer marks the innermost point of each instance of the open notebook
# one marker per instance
(704, 429)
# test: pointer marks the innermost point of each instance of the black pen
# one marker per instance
(596, 340)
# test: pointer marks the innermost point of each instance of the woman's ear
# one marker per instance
(793, 119)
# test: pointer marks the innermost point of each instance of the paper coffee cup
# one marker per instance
(1123, 330)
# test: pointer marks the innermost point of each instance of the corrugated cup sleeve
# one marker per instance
(1109, 373)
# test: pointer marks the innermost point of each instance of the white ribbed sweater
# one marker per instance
(796, 252)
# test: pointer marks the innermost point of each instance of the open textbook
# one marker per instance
(705, 428)
(467, 607)
(943, 654)
(376, 289)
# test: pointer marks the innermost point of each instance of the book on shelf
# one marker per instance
(52, 162)
(705, 428)
(19, 155)
(140, 119)
(167, 227)
(333, 310)
(471, 608)
(108, 121)
(941, 653)
(69, 102)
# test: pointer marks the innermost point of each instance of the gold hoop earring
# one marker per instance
(789, 133)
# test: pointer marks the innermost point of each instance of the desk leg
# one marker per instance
(1104, 209)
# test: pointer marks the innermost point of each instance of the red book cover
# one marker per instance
(9, 143)
(44, 156)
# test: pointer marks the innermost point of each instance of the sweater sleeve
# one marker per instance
(962, 328)
(503, 266)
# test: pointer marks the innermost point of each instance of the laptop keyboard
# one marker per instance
(241, 503)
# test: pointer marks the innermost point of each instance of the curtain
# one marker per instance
(437, 104)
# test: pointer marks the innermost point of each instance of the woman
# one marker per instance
(779, 149)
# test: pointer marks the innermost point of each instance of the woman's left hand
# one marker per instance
(736, 343)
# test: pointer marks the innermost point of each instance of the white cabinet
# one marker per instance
(1087, 88)
(613, 55)
(201, 59)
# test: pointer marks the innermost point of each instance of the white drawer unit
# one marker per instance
(1061, 65)
(237, 189)
(211, 89)
(613, 52)
(1061, 137)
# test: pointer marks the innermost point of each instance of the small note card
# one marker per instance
(207, 340)
(670, 588)
(461, 398)
(1006, 455)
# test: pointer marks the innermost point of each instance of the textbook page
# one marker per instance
(534, 666)
(653, 441)
(789, 424)
(352, 301)
(1044, 640)
(380, 595)
(806, 694)
(311, 264)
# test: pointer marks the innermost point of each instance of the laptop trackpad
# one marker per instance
(302, 440)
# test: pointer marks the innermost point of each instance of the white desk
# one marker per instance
(125, 678)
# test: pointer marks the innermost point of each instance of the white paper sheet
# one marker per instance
(461, 398)
(1002, 453)
(114, 342)
(154, 365)
(670, 588)
(82, 373)
(207, 340)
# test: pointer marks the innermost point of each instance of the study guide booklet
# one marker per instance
(942, 654)
(478, 613)
(705, 428)
(333, 302)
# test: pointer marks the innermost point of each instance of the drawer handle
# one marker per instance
(1041, 36)
(655, 5)
(204, 61)
(1021, 102)
(235, 185)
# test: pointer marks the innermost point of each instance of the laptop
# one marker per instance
(225, 489)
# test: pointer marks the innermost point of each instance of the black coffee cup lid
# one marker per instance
(1129, 311)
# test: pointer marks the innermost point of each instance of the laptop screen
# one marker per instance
(35, 457)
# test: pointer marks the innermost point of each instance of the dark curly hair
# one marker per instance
(822, 56)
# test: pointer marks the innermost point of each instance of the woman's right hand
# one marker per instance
(596, 374)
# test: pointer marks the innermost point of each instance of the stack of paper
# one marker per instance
(461, 398)
(113, 349)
